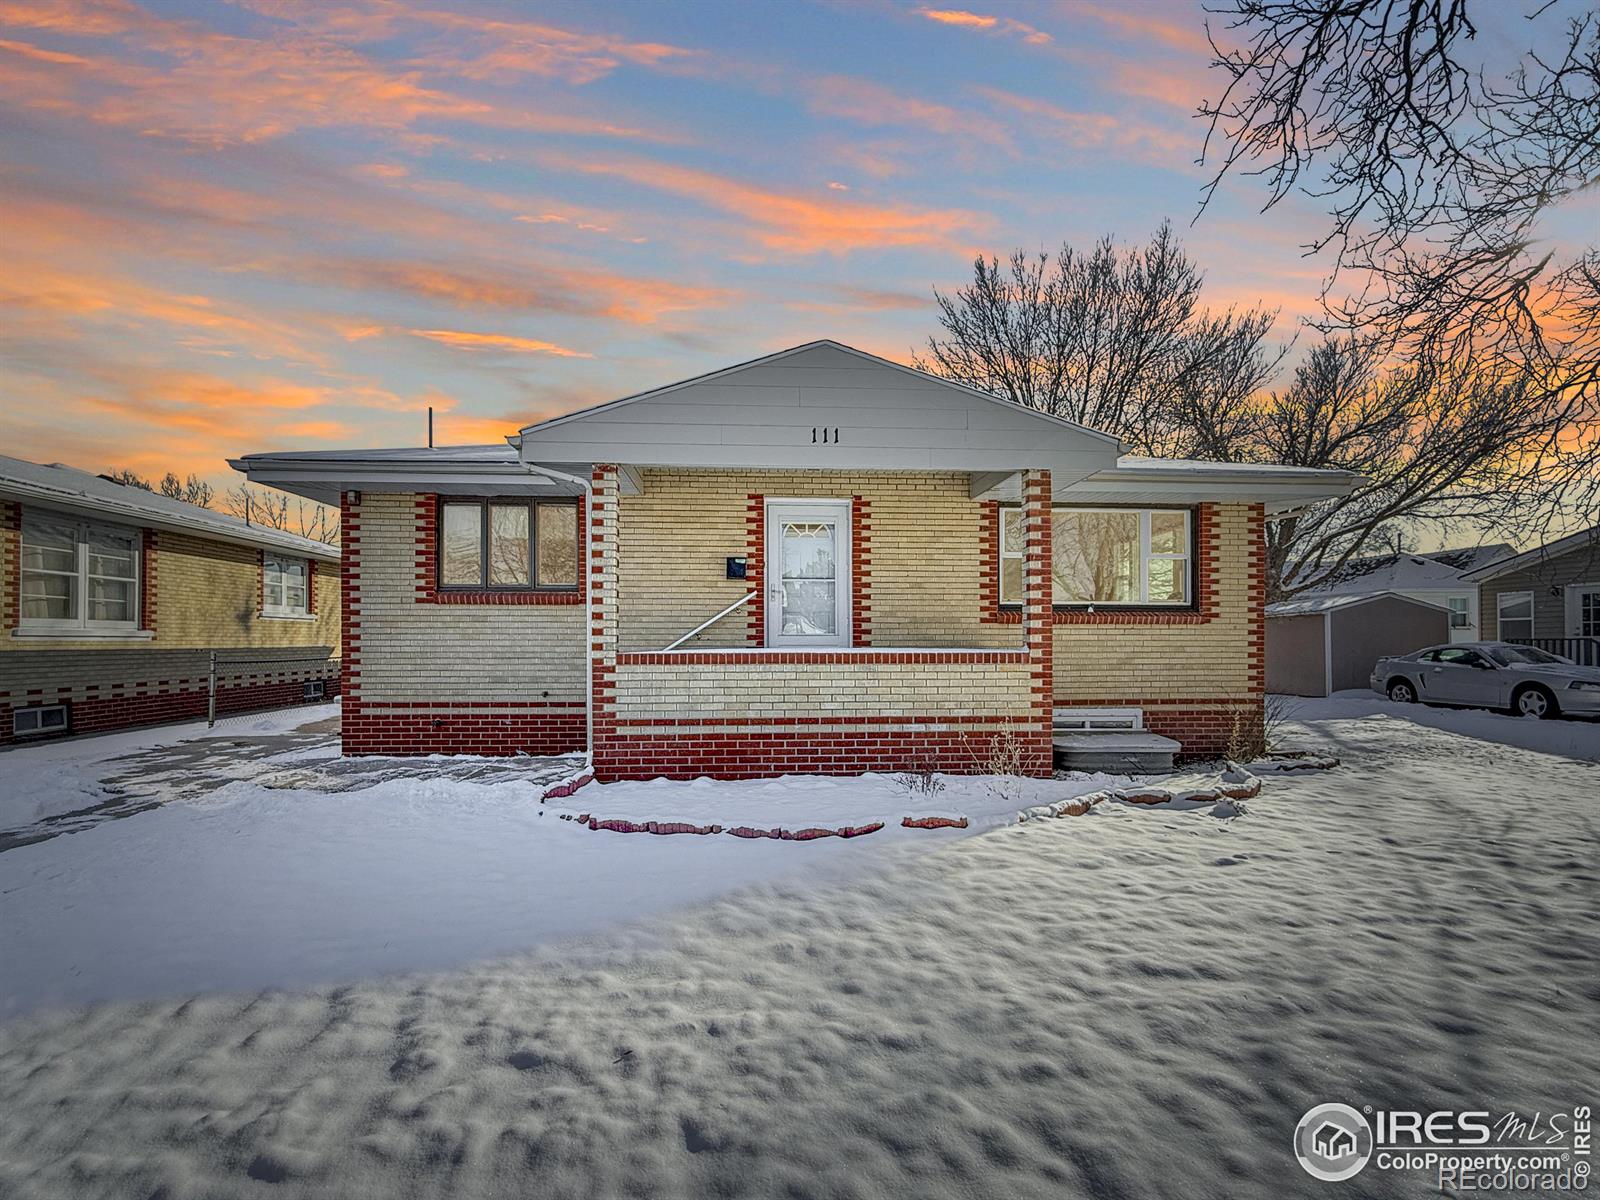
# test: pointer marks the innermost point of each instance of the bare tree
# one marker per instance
(131, 479)
(1437, 166)
(1115, 339)
(271, 509)
(192, 490)
(1440, 446)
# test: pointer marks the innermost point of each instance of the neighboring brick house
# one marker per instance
(1549, 596)
(113, 598)
(819, 561)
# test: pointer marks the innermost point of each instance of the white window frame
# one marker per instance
(1499, 614)
(30, 722)
(81, 625)
(1573, 599)
(283, 609)
(1464, 612)
(778, 511)
(1145, 555)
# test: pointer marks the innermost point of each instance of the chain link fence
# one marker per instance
(242, 682)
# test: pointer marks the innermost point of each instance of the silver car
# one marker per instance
(1516, 679)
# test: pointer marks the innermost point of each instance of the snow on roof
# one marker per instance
(496, 452)
(1577, 541)
(1397, 572)
(68, 486)
(1310, 605)
(1470, 558)
(1200, 466)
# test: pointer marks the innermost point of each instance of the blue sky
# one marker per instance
(254, 226)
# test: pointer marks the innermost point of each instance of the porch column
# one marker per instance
(602, 632)
(1037, 617)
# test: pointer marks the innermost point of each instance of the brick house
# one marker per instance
(818, 561)
(112, 600)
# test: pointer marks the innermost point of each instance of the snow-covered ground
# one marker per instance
(253, 856)
(1569, 737)
(1133, 1003)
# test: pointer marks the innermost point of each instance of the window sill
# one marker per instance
(504, 596)
(85, 635)
(285, 616)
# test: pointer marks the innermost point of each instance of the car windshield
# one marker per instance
(1507, 655)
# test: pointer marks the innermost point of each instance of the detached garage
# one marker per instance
(1327, 644)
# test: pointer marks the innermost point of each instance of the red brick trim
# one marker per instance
(148, 560)
(491, 727)
(647, 658)
(1040, 642)
(349, 600)
(916, 744)
(1206, 574)
(1257, 600)
(311, 585)
(261, 581)
(11, 595)
(755, 569)
(427, 591)
(853, 719)
(124, 706)
(860, 571)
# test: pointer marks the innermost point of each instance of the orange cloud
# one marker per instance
(217, 89)
(982, 21)
(869, 103)
(800, 224)
(464, 340)
(1137, 23)
(1087, 129)
(524, 286)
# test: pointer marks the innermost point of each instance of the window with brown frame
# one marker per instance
(1110, 557)
(508, 545)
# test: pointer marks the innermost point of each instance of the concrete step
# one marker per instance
(1126, 752)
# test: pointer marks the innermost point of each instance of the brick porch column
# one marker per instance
(1037, 616)
(602, 633)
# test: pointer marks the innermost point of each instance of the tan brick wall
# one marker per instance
(1154, 661)
(697, 692)
(411, 651)
(924, 587)
(207, 596)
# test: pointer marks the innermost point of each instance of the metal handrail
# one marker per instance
(704, 625)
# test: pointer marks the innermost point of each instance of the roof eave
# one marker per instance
(131, 514)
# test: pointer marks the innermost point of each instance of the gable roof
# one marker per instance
(1436, 570)
(1305, 606)
(58, 486)
(822, 405)
(1584, 538)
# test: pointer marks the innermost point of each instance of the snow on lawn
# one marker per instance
(54, 778)
(1133, 1003)
(1571, 738)
(266, 861)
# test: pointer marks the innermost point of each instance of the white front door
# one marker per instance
(808, 573)
(1583, 610)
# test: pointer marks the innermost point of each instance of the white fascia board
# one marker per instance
(324, 480)
(131, 515)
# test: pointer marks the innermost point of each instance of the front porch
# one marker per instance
(742, 706)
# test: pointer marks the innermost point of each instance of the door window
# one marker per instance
(808, 581)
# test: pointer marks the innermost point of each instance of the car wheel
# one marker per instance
(1534, 701)
(1401, 692)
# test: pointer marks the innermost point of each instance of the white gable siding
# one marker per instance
(821, 407)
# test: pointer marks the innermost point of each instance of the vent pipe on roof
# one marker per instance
(430, 427)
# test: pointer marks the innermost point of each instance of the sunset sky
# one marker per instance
(281, 224)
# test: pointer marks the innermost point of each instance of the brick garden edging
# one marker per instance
(1233, 784)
